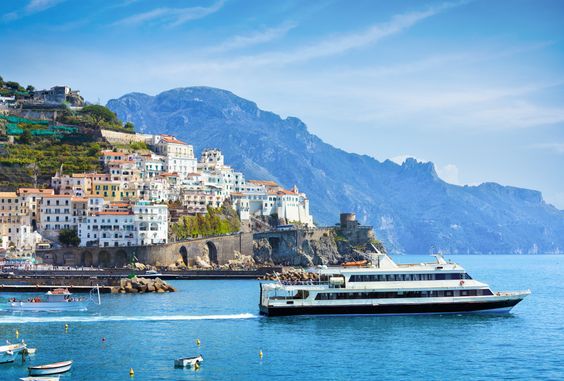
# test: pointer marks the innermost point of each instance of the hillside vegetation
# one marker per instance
(217, 221)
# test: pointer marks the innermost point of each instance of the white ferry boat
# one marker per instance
(384, 287)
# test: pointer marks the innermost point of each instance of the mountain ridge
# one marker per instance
(411, 208)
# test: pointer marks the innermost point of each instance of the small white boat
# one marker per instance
(55, 378)
(31, 351)
(188, 362)
(8, 352)
(48, 369)
(59, 299)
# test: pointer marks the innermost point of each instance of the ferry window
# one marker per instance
(487, 292)
(440, 276)
(464, 293)
(449, 293)
(466, 276)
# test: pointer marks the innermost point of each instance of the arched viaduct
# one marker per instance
(218, 249)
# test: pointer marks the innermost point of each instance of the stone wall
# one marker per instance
(116, 137)
(215, 250)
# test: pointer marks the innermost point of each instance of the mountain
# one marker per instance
(411, 208)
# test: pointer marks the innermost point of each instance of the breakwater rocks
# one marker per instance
(142, 285)
(292, 275)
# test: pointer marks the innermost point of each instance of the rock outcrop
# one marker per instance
(142, 285)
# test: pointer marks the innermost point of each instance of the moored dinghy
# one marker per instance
(9, 352)
(55, 368)
(188, 362)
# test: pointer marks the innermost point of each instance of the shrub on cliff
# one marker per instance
(216, 221)
(69, 237)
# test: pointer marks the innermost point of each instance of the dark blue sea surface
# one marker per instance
(147, 332)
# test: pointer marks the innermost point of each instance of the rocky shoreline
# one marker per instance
(292, 275)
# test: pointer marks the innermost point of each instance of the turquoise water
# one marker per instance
(146, 333)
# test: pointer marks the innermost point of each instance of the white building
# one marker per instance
(266, 198)
(217, 174)
(108, 228)
(151, 223)
(150, 165)
(178, 156)
(56, 214)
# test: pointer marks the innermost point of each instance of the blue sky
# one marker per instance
(477, 87)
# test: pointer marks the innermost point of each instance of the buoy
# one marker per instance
(198, 342)
(103, 339)
(66, 327)
(260, 353)
(17, 333)
(131, 372)
(196, 365)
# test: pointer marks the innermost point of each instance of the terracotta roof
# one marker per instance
(8, 194)
(58, 196)
(112, 153)
(36, 190)
(265, 182)
(79, 199)
(166, 174)
(237, 194)
(171, 139)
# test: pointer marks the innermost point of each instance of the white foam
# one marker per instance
(93, 319)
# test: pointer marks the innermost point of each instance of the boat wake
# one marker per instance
(95, 319)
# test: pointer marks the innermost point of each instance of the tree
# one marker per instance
(26, 137)
(129, 126)
(14, 86)
(30, 89)
(100, 115)
(1, 81)
(69, 237)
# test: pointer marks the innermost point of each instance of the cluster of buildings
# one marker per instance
(128, 203)
(55, 96)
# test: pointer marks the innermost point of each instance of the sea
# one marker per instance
(147, 332)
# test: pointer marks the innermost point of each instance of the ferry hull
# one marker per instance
(499, 306)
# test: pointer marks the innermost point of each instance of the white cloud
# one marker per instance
(40, 5)
(256, 38)
(342, 43)
(171, 17)
(34, 6)
(448, 173)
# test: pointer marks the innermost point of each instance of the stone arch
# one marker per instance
(69, 259)
(86, 258)
(212, 252)
(275, 245)
(184, 254)
(120, 258)
(103, 259)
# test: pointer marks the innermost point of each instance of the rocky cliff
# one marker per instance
(412, 209)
